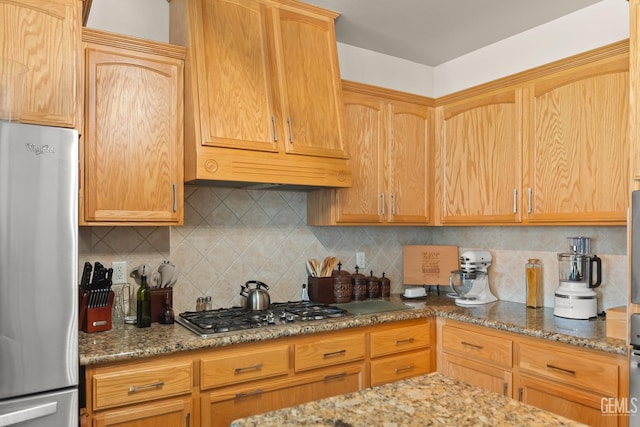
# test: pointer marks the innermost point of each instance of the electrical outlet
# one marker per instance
(360, 261)
(119, 272)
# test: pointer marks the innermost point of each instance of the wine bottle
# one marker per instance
(143, 313)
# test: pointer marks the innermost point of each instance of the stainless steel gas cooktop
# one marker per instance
(239, 318)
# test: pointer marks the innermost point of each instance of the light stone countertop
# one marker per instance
(430, 400)
(129, 342)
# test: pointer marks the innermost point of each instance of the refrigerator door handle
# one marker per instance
(27, 414)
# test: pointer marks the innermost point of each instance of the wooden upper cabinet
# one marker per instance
(408, 164)
(365, 128)
(133, 131)
(311, 106)
(480, 159)
(236, 106)
(576, 145)
(389, 139)
(44, 35)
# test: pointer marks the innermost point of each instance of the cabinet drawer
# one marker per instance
(140, 383)
(329, 352)
(399, 339)
(235, 366)
(477, 346)
(406, 365)
(575, 368)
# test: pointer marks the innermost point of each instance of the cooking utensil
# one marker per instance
(256, 299)
(167, 271)
(311, 271)
(312, 264)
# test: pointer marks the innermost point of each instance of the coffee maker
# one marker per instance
(575, 297)
(470, 284)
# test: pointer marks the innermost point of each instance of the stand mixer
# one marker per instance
(470, 284)
(575, 297)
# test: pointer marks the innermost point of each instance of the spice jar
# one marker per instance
(373, 286)
(385, 286)
(342, 286)
(534, 283)
(359, 286)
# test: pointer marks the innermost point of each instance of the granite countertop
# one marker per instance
(129, 342)
(432, 399)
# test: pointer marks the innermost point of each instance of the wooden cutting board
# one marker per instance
(428, 265)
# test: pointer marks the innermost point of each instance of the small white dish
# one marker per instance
(415, 292)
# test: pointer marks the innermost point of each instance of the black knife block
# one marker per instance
(94, 319)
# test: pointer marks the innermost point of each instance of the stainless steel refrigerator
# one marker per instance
(38, 276)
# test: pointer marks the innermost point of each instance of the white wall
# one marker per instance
(602, 23)
(147, 19)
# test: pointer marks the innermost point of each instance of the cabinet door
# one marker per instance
(133, 137)
(480, 146)
(566, 401)
(478, 374)
(408, 164)
(577, 146)
(221, 408)
(364, 132)
(233, 76)
(309, 84)
(44, 35)
(164, 413)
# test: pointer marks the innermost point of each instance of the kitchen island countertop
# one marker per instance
(420, 401)
(129, 342)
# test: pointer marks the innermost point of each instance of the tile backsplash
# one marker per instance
(234, 235)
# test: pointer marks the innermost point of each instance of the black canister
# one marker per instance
(342, 285)
(373, 286)
(385, 286)
(359, 286)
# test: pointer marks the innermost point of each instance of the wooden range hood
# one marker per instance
(263, 97)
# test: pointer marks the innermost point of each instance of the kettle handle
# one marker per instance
(598, 261)
(257, 283)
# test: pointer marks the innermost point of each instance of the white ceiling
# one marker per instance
(431, 32)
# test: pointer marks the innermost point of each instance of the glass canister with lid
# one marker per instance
(534, 283)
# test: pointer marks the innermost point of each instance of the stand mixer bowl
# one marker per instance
(467, 284)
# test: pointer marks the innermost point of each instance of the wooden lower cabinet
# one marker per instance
(479, 374)
(567, 401)
(574, 382)
(163, 413)
(213, 387)
(220, 408)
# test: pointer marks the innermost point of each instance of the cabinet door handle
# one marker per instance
(248, 368)
(275, 128)
(335, 376)
(519, 394)
(406, 340)
(557, 368)
(405, 369)
(175, 197)
(515, 200)
(505, 387)
(249, 393)
(382, 203)
(334, 354)
(529, 200)
(468, 344)
(137, 388)
(290, 130)
(393, 203)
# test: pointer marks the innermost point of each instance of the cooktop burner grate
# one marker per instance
(238, 318)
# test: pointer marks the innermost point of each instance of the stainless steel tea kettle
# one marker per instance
(256, 298)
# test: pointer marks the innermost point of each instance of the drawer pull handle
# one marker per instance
(505, 388)
(249, 393)
(468, 344)
(406, 340)
(249, 368)
(557, 368)
(335, 376)
(405, 369)
(520, 394)
(137, 388)
(334, 354)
